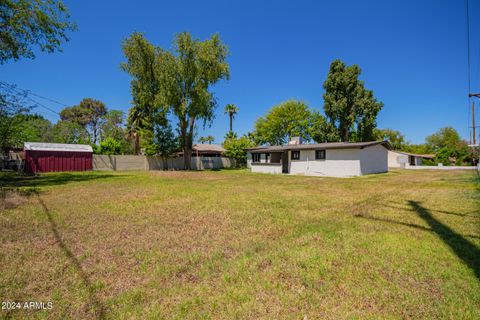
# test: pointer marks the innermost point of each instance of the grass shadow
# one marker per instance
(468, 252)
(410, 225)
(472, 214)
(99, 308)
(14, 180)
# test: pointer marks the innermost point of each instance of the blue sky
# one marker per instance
(413, 55)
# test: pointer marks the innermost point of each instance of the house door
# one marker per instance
(412, 160)
(285, 162)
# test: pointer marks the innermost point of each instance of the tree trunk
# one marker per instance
(344, 134)
(231, 117)
(94, 125)
(165, 163)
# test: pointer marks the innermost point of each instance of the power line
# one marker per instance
(35, 94)
(26, 93)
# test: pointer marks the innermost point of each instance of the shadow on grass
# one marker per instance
(472, 214)
(464, 249)
(99, 308)
(410, 225)
(467, 251)
(13, 180)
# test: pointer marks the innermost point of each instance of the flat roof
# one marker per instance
(326, 145)
(61, 147)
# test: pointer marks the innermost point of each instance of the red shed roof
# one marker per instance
(63, 147)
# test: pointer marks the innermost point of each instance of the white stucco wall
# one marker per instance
(374, 159)
(267, 168)
(395, 159)
(338, 163)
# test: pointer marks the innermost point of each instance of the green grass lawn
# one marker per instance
(232, 244)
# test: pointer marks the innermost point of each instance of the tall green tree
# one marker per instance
(284, 121)
(141, 65)
(112, 125)
(185, 77)
(29, 24)
(89, 114)
(207, 139)
(320, 130)
(231, 110)
(176, 81)
(350, 107)
(96, 111)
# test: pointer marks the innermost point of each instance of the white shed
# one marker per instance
(336, 159)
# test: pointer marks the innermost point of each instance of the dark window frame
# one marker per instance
(295, 155)
(256, 157)
(318, 154)
(267, 157)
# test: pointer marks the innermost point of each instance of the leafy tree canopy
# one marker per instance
(25, 24)
(396, 138)
(444, 137)
(284, 121)
(177, 81)
(321, 130)
(89, 114)
(350, 107)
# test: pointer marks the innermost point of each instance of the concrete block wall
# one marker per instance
(144, 163)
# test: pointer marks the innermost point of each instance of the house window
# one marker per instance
(267, 157)
(295, 155)
(255, 157)
(319, 154)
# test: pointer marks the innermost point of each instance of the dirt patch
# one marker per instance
(13, 198)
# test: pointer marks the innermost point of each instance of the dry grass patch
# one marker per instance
(232, 244)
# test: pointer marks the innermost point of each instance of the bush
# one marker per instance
(110, 146)
(236, 149)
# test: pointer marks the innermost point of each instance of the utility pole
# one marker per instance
(473, 124)
(474, 127)
(475, 147)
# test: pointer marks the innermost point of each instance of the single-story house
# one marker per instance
(400, 159)
(55, 157)
(207, 150)
(334, 159)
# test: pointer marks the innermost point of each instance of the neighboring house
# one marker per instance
(207, 150)
(334, 159)
(400, 159)
(54, 157)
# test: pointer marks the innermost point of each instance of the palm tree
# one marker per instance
(208, 139)
(135, 121)
(231, 110)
